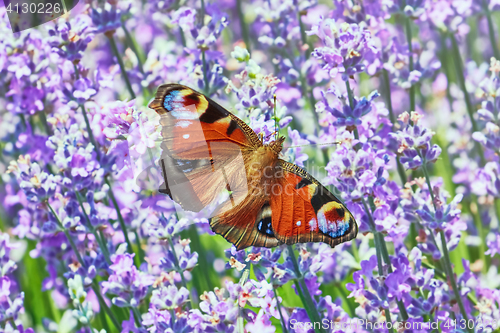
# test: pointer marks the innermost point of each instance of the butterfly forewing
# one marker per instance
(203, 149)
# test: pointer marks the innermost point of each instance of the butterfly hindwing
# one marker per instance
(305, 211)
(250, 226)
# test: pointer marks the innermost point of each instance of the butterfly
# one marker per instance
(206, 150)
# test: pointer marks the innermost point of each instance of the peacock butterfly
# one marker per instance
(207, 149)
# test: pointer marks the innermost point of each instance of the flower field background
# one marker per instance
(394, 105)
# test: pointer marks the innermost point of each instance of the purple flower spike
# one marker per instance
(348, 48)
(128, 285)
(106, 19)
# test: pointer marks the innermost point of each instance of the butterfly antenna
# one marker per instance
(276, 128)
(316, 144)
(273, 133)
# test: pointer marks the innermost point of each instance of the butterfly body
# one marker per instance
(207, 150)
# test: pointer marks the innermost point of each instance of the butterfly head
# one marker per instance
(277, 145)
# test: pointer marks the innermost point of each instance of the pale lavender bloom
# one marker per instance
(37, 185)
(70, 39)
(10, 306)
(366, 11)
(169, 297)
(347, 116)
(397, 62)
(446, 213)
(413, 144)
(411, 8)
(83, 90)
(348, 48)
(296, 155)
(75, 157)
(357, 173)
(164, 228)
(185, 259)
(493, 246)
(11, 302)
(7, 265)
(128, 284)
(447, 15)
(208, 34)
(106, 19)
(256, 90)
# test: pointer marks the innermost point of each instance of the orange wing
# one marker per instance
(305, 211)
(204, 147)
(190, 120)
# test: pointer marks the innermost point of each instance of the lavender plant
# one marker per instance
(401, 96)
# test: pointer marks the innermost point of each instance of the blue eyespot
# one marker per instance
(170, 100)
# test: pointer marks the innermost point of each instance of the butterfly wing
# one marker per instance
(203, 149)
(304, 211)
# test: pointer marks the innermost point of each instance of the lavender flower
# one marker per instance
(106, 19)
(348, 48)
(127, 283)
(348, 117)
(413, 143)
(37, 185)
(70, 39)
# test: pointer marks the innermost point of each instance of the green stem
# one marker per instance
(95, 286)
(205, 74)
(401, 171)
(311, 100)
(450, 273)
(388, 98)
(278, 304)
(176, 263)
(77, 72)
(457, 60)
(202, 12)
(243, 26)
(304, 294)
(68, 236)
(355, 252)
(131, 43)
(350, 305)
(303, 35)
(104, 321)
(240, 323)
(444, 65)
(446, 255)
(491, 30)
(122, 66)
(139, 246)
(482, 232)
(121, 221)
(410, 51)
(103, 305)
(137, 316)
(92, 229)
(392, 117)
(349, 94)
(496, 207)
(43, 119)
(351, 105)
(381, 249)
(428, 181)
(89, 130)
